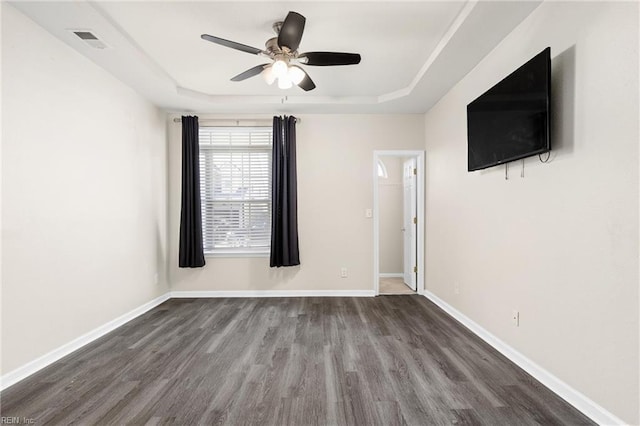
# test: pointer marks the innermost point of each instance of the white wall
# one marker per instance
(83, 194)
(335, 154)
(391, 221)
(561, 244)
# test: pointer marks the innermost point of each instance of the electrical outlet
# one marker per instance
(456, 287)
(515, 318)
(368, 213)
(343, 272)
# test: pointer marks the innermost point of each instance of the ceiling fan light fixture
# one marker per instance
(268, 75)
(296, 75)
(285, 82)
(283, 52)
(279, 68)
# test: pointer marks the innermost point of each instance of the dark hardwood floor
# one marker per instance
(389, 360)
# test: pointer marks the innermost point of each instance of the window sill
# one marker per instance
(237, 254)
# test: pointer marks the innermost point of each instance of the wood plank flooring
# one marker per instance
(388, 360)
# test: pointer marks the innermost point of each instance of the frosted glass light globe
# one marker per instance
(279, 68)
(285, 82)
(296, 75)
(268, 75)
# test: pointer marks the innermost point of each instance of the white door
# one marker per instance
(410, 218)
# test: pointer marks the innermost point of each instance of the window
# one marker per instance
(382, 170)
(235, 189)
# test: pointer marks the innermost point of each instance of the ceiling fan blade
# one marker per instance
(330, 58)
(249, 73)
(231, 44)
(291, 31)
(306, 84)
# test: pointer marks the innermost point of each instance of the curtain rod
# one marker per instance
(179, 120)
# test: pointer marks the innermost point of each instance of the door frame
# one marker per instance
(420, 165)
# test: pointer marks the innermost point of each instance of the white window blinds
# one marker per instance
(235, 189)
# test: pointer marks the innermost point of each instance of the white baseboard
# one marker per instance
(37, 364)
(390, 275)
(274, 293)
(582, 403)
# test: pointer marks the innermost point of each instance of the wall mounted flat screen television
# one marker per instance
(510, 121)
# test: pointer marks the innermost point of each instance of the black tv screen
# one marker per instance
(510, 121)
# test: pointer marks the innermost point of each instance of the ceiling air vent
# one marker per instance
(90, 38)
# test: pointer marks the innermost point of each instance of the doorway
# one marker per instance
(398, 214)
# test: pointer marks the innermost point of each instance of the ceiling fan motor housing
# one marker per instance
(272, 46)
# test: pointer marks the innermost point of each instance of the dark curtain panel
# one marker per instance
(191, 251)
(284, 216)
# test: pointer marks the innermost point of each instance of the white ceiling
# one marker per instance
(412, 52)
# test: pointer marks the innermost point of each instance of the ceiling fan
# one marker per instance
(283, 51)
